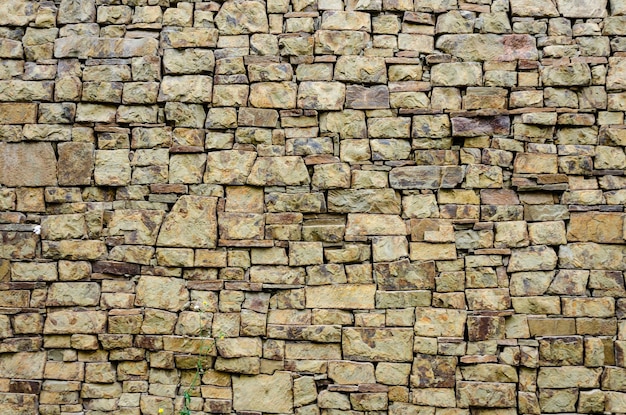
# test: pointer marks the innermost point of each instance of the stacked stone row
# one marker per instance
(312, 207)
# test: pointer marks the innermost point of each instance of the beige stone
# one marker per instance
(23, 365)
(71, 321)
(245, 17)
(279, 95)
(278, 171)
(347, 296)
(321, 95)
(457, 74)
(229, 166)
(186, 88)
(373, 344)
(192, 223)
(161, 292)
(434, 322)
(348, 20)
(486, 47)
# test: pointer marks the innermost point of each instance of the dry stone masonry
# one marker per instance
(312, 207)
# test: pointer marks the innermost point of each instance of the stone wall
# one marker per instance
(312, 207)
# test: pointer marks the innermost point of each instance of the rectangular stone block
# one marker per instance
(343, 296)
(74, 321)
(18, 113)
(84, 47)
(378, 344)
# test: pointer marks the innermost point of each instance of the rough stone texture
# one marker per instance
(273, 394)
(191, 223)
(27, 164)
(312, 207)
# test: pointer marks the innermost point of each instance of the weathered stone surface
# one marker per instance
(433, 371)
(404, 275)
(349, 20)
(566, 75)
(279, 95)
(19, 13)
(486, 394)
(73, 321)
(73, 294)
(318, 206)
(534, 258)
(536, 8)
(592, 256)
(374, 224)
(351, 373)
(278, 171)
(602, 227)
(321, 95)
(267, 393)
(340, 42)
(76, 163)
(384, 201)
(23, 365)
(487, 47)
(425, 177)
(577, 377)
(361, 69)
(361, 97)
(186, 88)
(112, 167)
(345, 296)
(229, 166)
(235, 18)
(27, 164)
(84, 47)
(434, 322)
(18, 113)
(192, 223)
(161, 292)
(474, 127)
(137, 226)
(74, 249)
(457, 74)
(584, 9)
(378, 345)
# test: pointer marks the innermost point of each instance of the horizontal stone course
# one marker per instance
(312, 207)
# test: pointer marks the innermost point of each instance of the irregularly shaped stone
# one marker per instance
(457, 74)
(246, 17)
(161, 292)
(192, 223)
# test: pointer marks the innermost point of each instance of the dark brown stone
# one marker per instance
(116, 268)
(474, 127)
(360, 97)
